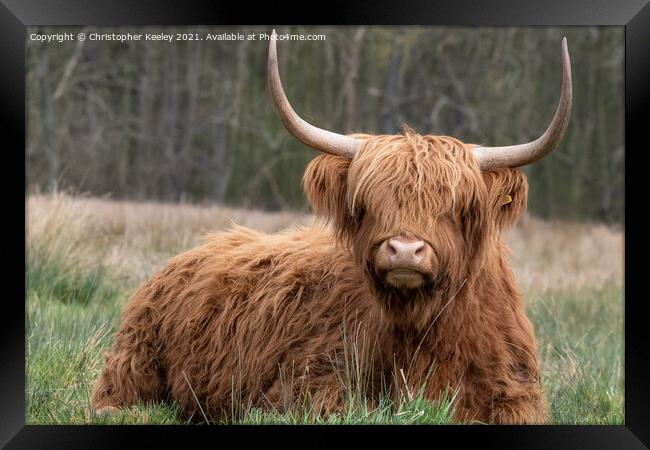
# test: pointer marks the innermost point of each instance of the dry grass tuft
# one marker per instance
(562, 255)
(134, 239)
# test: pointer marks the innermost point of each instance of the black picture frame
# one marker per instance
(633, 15)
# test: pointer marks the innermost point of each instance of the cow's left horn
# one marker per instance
(317, 138)
(522, 154)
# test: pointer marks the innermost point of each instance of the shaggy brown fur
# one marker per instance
(250, 319)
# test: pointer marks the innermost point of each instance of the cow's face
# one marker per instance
(416, 211)
(408, 194)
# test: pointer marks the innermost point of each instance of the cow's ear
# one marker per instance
(325, 183)
(507, 195)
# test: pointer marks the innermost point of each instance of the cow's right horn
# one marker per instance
(317, 138)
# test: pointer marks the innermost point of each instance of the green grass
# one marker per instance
(580, 338)
(414, 411)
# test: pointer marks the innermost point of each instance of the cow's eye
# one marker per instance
(361, 213)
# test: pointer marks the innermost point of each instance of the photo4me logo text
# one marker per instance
(170, 37)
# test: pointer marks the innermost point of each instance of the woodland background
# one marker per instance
(193, 121)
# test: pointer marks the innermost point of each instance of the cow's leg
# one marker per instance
(126, 380)
(528, 408)
(519, 398)
(503, 400)
(321, 396)
(131, 373)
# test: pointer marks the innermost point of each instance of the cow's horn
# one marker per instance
(522, 154)
(317, 138)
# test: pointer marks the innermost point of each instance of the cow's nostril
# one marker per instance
(406, 251)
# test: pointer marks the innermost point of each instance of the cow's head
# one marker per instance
(418, 212)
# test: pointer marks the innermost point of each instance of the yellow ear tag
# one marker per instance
(506, 200)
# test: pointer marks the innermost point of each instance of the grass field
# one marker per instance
(85, 256)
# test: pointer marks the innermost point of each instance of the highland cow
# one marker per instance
(406, 281)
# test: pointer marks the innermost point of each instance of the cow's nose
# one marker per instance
(408, 252)
(404, 261)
